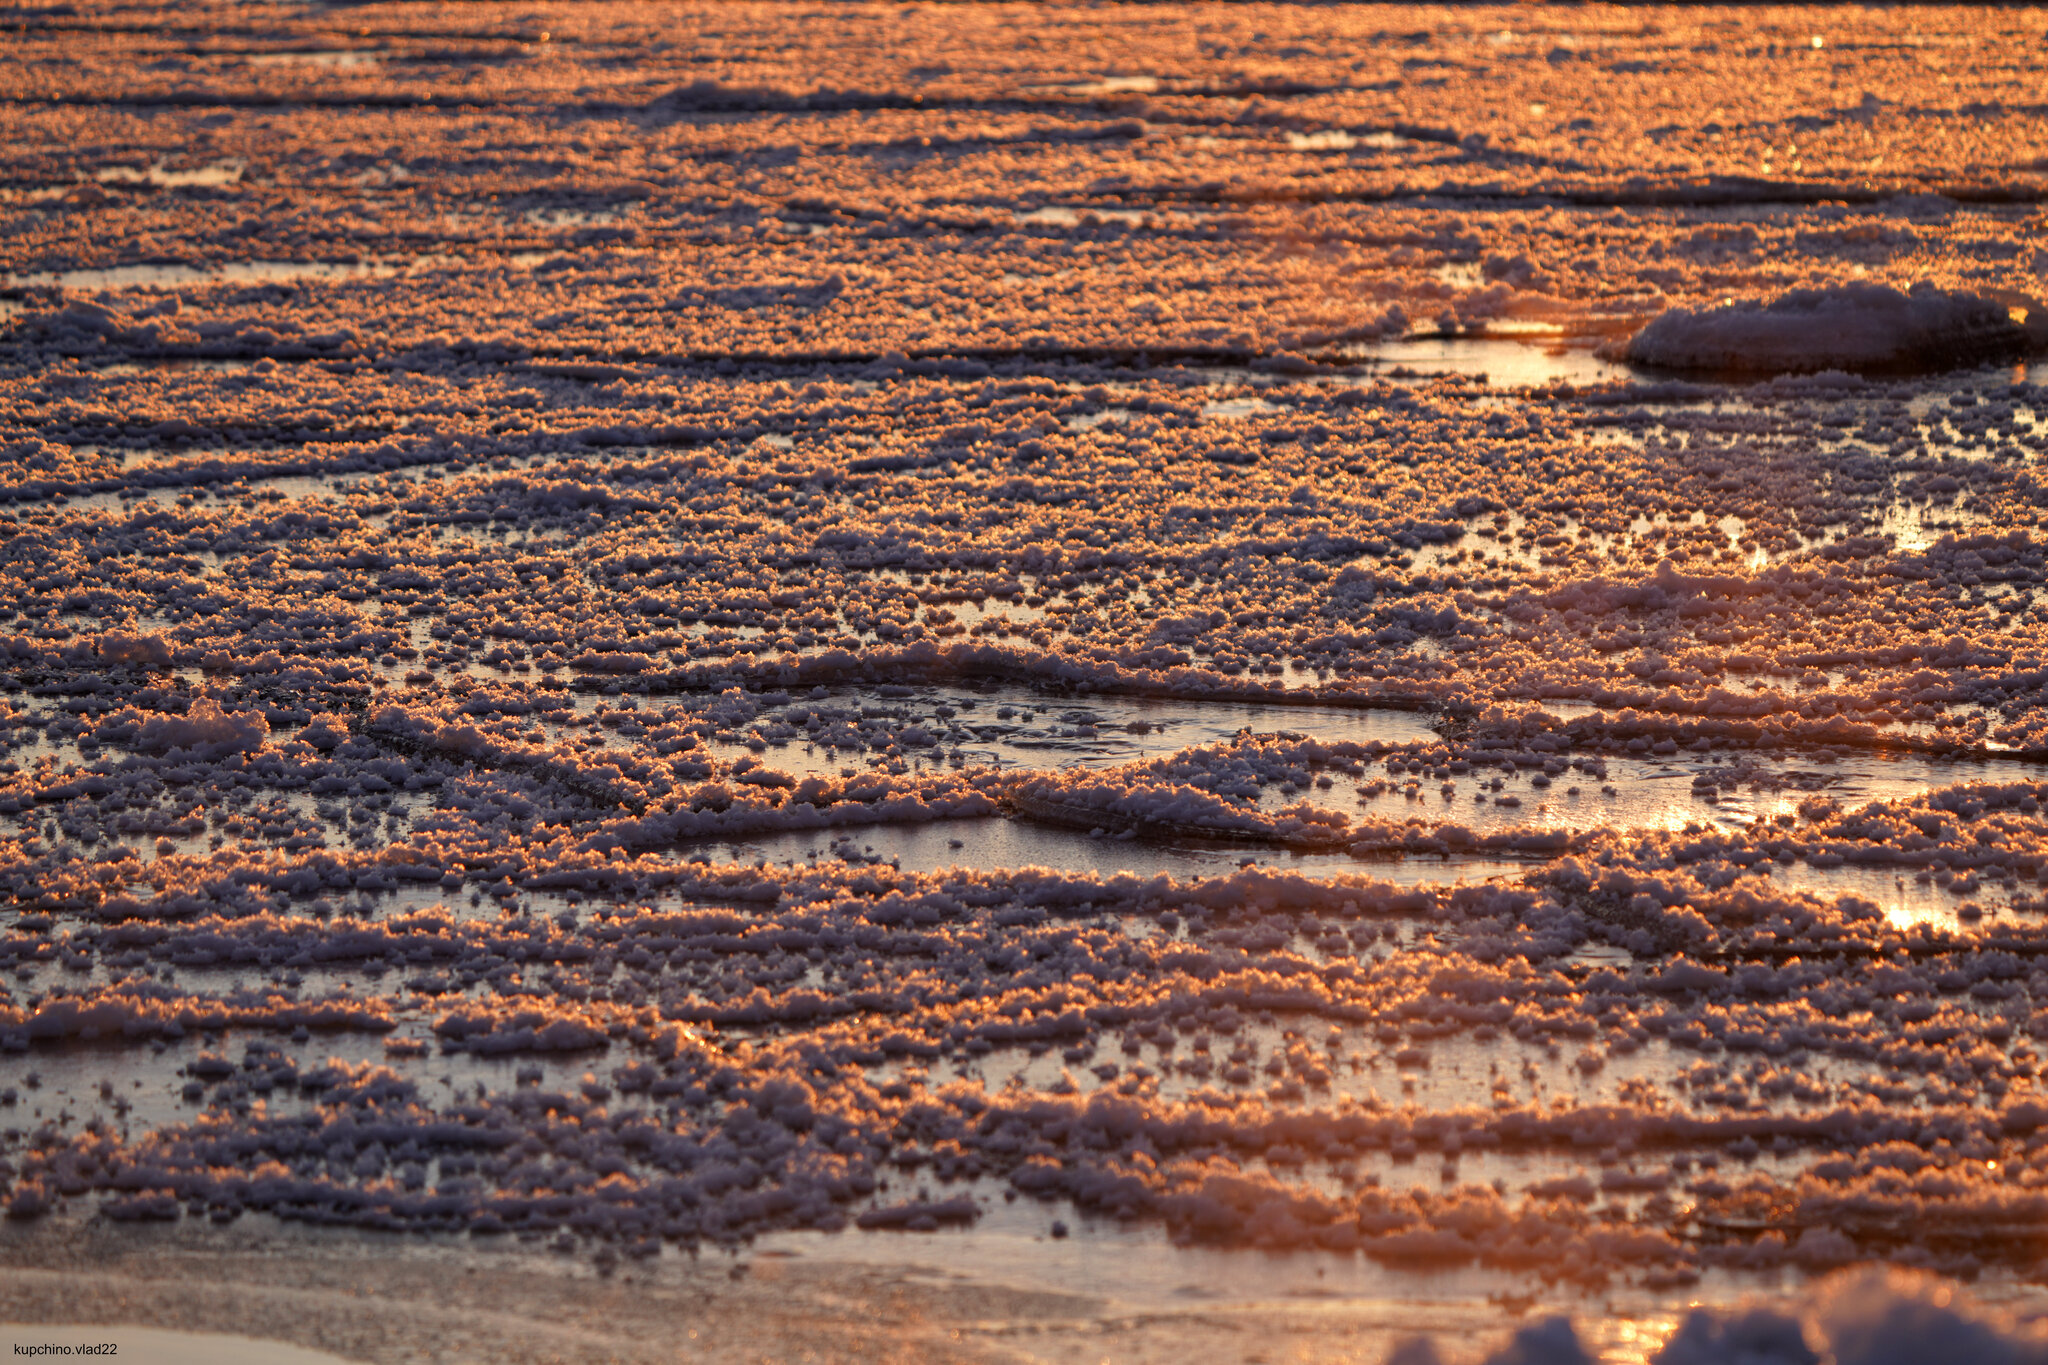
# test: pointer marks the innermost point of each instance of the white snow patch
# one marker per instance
(206, 729)
(1848, 327)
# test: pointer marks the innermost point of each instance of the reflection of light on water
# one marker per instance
(1101, 85)
(1089, 421)
(1328, 140)
(1505, 361)
(214, 173)
(1058, 215)
(577, 217)
(1008, 1250)
(1237, 407)
(996, 844)
(1914, 528)
(1905, 900)
(331, 58)
(224, 272)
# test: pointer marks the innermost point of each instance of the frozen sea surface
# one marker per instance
(1126, 678)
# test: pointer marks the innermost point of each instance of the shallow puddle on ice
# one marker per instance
(1915, 527)
(216, 173)
(1908, 896)
(1338, 140)
(141, 1089)
(1012, 1245)
(1506, 363)
(327, 57)
(223, 272)
(1237, 407)
(1041, 730)
(118, 504)
(1100, 85)
(199, 480)
(1663, 794)
(1376, 1308)
(1101, 1280)
(1060, 215)
(995, 844)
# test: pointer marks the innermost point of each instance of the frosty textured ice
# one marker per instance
(1413, 635)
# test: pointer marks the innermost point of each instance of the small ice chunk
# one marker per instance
(206, 730)
(1845, 327)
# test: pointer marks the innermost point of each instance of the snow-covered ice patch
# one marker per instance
(1846, 327)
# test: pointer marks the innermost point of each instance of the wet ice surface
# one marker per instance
(1647, 794)
(894, 671)
(1009, 727)
(842, 734)
(226, 272)
(1005, 843)
(1504, 362)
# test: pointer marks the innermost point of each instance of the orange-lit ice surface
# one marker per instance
(1030, 683)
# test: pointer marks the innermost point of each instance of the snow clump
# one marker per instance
(1845, 327)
